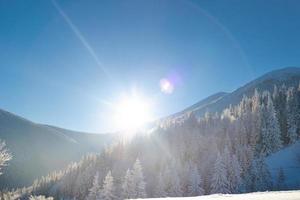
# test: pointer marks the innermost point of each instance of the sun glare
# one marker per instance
(132, 113)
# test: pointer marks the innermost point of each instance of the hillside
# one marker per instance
(237, 150)
(289, 160)
(289, 76)
(39, 149)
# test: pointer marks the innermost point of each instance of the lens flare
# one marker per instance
(166, 86)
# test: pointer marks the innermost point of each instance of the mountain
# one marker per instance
(240, 151)
(219, 101)
(40, 149)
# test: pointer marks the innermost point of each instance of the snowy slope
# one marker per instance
(282, 195)
(289, 160)
(220, 101)
(197, 106)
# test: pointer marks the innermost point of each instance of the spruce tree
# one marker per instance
(270, 131)
(5, 155)
(219, 182)
(95, 190)
(291, 116)
(259, 177)
(172, 181)
(159, 190)
(194, 186)
(107, 193)
(279, 98)
(138, 180)
(127, 186)
(234, 175)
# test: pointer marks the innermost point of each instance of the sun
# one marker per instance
(132, 112)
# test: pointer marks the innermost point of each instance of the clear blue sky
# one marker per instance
(63, 74)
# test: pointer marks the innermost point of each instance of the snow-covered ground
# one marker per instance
(281, 195)
(289, 160)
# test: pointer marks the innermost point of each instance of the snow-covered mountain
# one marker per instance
(39, 149)
(221, 100)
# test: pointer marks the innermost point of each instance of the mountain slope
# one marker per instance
(220, 101)
(288, 76)
(39, 149)
(289, 160)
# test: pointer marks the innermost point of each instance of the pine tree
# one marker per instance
(259, 177)
(298, 109)
(194, 186)
(172, 181)
(159, 190)
(127, 186)
(219, 182)
(138, 180)
(234, 175)
(95, 191)
(107, 193)
(291, 116)
(279, 99)
(5, 156)
(233, 170)
(270, 131)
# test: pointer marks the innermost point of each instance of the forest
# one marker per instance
(188, 156)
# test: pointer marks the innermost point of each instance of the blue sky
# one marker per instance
(49, 75)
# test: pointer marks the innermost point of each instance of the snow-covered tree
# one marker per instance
(159, 190)
(270, 131)
(233, 170)
(291, 112)
(279, 99)
(107, 193)
(258, 177)
(95, 191)
(127, 185)
(219, 182)
(5, 156)
(172, 181)
(234, 174)
(194, 186)
(138, 180)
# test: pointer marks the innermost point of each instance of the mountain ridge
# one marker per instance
(288, 76)
(39, 149)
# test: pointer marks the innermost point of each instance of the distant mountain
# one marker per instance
(219, 101)
(40, 149)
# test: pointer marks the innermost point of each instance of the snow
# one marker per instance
(219, 101)
(289, 159)
(280, 195)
